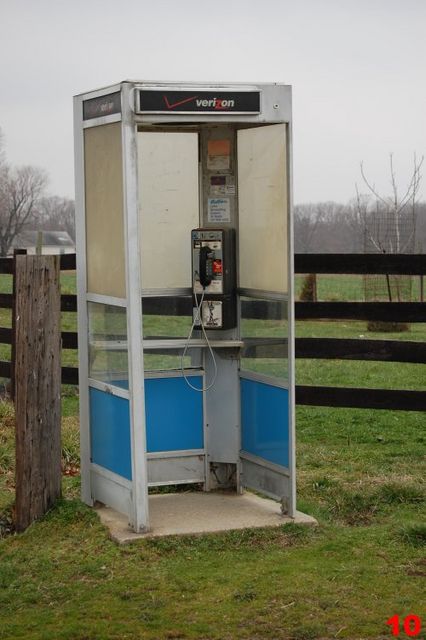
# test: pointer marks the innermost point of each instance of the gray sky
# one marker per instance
(357, 68)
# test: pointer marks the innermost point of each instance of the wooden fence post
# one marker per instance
(37, 387)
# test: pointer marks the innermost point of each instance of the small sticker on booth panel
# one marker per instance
(212, 314)
(217, 185)
(102, 106)
(219, 210)
(218, 155)
(218, 180)
(218, 190)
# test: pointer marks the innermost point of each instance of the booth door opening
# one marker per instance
(168, 210)
(263, 287)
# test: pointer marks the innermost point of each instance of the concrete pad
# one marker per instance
(197, 512)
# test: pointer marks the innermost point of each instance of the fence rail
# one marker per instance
(315, 348)
(361, 263)
(383, 311)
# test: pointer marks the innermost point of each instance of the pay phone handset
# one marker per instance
(213, 287)
(206, 266)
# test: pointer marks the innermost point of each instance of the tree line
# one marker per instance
(333, 227)
(26, 205)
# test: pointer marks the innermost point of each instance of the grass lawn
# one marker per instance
(360, 472)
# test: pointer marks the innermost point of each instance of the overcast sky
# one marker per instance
(357, 68)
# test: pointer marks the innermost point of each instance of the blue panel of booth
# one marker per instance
(264, 421)
(174, 414)
(110, 432)
(174, 422)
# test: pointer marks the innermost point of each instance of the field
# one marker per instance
(360, 472)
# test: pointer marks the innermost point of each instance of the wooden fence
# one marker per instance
(324, 348)
(361, 349)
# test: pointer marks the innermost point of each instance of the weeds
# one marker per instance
(396, 493)
(288, 535)
(354, 508)
(7, 436)
(413, 534)
(70, 443)
(359, 507)
(70, 446)
(7, 526)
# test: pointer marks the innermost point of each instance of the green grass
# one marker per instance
(351, 287)
(360, 472)
(277, 587)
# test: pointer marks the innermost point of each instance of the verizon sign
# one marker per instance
(193, 101)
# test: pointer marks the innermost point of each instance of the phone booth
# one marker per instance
(184, 257)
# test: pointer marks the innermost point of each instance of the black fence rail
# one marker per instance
(315, 348)
(361, 349)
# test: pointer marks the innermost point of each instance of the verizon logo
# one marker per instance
(205, 103)
(216, 103)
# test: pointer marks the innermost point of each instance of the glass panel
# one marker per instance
(262, 193)
(108, 359)
(168, 206)
(264, 331)
(165, 360)
(167, 316)
(104, 210)
(166, 326)
(166, 322)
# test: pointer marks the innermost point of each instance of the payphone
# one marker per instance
(214, 278)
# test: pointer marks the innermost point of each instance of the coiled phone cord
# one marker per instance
(198, 319)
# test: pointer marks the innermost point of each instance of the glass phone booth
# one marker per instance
(184, 257)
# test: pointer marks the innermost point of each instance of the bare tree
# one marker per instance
(20, 193)
(57, 214)
(384, 219)
(389, 225)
